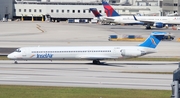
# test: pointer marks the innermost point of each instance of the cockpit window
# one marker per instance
(17, 50)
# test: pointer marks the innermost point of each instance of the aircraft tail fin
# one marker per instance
(108, 9)
(95, 12)
(153, 40)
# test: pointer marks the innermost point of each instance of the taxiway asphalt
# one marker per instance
(112, 74)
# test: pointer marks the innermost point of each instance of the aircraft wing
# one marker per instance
(152, 22)
(147, 21)
(157, 21)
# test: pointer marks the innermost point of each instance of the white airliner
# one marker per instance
(94, 53)
(114, 17)
(156, 21)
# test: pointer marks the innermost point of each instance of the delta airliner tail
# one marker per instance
(108, 9)
(153, 40)
(95, 12)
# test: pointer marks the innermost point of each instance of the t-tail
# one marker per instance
(153, 40)
(95, 12)
(110, 12)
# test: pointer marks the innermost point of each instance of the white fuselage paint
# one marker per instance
(81, 52)
(130, 19)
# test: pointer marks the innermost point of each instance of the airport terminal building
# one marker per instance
(171, 6)
(65, 9)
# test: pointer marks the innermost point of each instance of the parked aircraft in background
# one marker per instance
(109, 10)
(117, 19)
(156, 21)
(94, 53)
(100, 17)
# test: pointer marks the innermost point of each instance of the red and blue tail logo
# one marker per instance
(109, 10)
(95, 12)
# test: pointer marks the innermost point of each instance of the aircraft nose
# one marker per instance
(11, 56)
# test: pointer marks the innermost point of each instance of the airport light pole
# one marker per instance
(22, 19)
(32, 17)
(42, 18)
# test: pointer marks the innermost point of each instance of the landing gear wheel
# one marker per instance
(148, 27)
(15, 62)
(96, 62)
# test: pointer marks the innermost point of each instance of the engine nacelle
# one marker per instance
(166, 25)
(132, 53)
(159, 25)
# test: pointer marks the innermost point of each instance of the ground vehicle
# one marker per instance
(168, 37)
(126, 38)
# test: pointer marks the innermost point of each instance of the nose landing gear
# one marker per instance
(15, 62)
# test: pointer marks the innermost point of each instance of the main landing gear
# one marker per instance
(96, 62)
(148, 26)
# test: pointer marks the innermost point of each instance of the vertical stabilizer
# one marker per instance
(108, 9)
(95, 12)
(153, 40)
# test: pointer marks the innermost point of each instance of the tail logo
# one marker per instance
(153, 41)
(95, 12)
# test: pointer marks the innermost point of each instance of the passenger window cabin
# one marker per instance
(73, 11)
(84, 11)
(69, 51)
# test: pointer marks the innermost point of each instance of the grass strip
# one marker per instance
(2, 57)
(77, 92)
